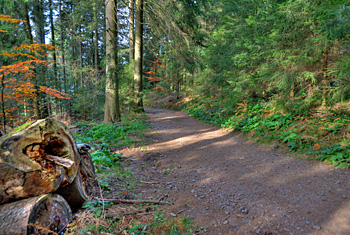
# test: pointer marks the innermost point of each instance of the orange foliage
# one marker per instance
(157, 64)
(317, 147)
(17, 77)
(7, 18)
(158, 88)
(54, 93)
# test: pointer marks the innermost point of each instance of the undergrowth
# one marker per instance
(321, 135)
(108, 135)
(100, 216)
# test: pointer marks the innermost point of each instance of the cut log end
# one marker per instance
(47, 214)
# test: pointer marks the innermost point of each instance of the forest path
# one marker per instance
(229, 185)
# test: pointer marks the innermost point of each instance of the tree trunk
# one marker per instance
(62, 47)
(138, 55)
(112, 110)
(96, 57)
(39, 19)
(38, 215)
(53, 43)
(3, 102)
(131, 32)
(325, 76)
(37, 160)
(29, 28)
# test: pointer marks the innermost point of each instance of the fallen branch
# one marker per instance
(226, 218)
(163, 197)
(144, 182)
(180, 211)
(129, 201)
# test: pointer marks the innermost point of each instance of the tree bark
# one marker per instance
(138, 55)
(29, 28)
(325, 76)
(53, 43)
(46, 214)
(96, 56)
(131, 32)
(3, 102)
(39, 19)
(37, 160)
(62, 47)
(112, 110)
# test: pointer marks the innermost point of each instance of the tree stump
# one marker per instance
(46, 214)
(37, 160)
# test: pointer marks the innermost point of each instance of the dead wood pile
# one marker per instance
(35, 162)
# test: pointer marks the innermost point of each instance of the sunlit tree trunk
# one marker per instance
(138, 54)
(112, 110)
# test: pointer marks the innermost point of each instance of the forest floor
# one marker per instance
(229, 185)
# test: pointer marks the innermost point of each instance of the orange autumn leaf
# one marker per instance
(317, 147)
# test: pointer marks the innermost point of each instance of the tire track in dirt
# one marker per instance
(229, 185)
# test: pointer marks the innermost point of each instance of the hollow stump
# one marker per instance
(37, 160)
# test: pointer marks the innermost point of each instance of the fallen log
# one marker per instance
(80, 190)
(37, 160)
(75, 193)
(46, 214)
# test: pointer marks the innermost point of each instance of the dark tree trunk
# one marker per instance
(29, 28)
(42, 99)
(3, 102)
(62, 47)
(131, 32)
(325, 76)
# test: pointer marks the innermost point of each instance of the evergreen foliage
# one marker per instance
(289, 55)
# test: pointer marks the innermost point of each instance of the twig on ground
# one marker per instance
(123, 229)
(102, 199)
(180, 211)
(144, 182)
(129, 201)
(226, 218)
(147, 225)
(163, 197)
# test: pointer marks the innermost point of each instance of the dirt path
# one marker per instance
(229, 185)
